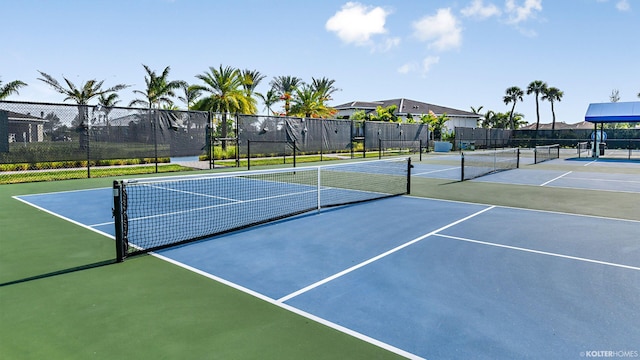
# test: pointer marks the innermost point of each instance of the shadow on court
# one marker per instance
(61, 272)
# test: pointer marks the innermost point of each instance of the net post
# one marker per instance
(379, 149)
(319, 186)
(462, 166)
(409, 166)
(420, 149)
(117, 214)
(517, 158)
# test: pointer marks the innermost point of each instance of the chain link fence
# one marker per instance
(614, 143)
(59, 141)
(41, 141)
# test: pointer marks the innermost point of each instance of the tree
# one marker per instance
(108, 100)
(385, 114)
(358, 115)
(227, 95)
(10, 88)
(269, 99)
(435, 122)
(512, 95)
(488, 119)
(308, 102)
(324, 87)
(552, 95)
(159, 89)
(81, 96)
(250, 80)
(284, 86)
(537, 87)
(191, 94)
(615, 95)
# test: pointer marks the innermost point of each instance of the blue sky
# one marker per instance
(456, 53)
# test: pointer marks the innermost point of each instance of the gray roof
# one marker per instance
(405, 106)
(14, 116)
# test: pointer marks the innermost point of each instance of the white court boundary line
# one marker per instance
(294, 310)
(539, 252)
(556, 178)
(435, 171)
(62, 217)
(378, 257)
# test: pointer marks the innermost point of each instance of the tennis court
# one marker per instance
(428, 278)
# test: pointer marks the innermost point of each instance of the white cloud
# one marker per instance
(407, 68)
(518, 14)
(386, 45)
(428, 62)
(441, 30)
(478, 9)
(623, 5)
(423, 68)
(356, 23)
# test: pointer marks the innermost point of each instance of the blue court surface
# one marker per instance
(427, 278)
(529, 175)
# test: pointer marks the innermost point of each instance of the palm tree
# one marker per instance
(615, 95)
(324, 87)
(108, 100)
(159, 89)
(537, 87)
(513, 94)
(488, 118)
(552, 95)
(476, 111)
(250, 80)
(284, 87)
(308, 102)
(269, 99)
(227, 94)
(191, 94)
(10, 88)
(81, 96)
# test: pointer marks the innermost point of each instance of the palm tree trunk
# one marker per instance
(553, 113)
(513, 124)
(83, 126)
(537, 114)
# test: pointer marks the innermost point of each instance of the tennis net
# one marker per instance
(476, 164)
(156, 213)
(546, 152)
(583, 148)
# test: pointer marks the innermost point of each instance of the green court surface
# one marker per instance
(63, 297)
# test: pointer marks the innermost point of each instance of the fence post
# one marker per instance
(248, 154)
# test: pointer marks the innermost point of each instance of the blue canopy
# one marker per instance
(613, 112)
